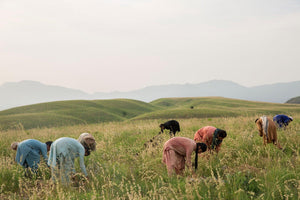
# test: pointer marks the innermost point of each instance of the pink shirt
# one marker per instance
(181, 145)
(205, 134)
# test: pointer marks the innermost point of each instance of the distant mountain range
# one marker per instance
(15, 94)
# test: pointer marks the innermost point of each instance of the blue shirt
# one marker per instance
(30, 151)
(282, 120)
(67, 147)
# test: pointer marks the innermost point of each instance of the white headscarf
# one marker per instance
(87, 140)
(14, 145)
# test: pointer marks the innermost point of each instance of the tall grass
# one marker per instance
(127, 166)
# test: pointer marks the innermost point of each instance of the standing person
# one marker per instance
(29, 151)
(282, 120)
(63, 153)
(267, 130)
(211, 136)
(178, 151)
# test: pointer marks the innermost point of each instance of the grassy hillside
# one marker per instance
(64, 113)
(207, 107)
(123, 168)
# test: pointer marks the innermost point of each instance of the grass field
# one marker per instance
(124, 168)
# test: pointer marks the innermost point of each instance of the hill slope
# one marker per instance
(206, 107)
(295, 100)
(64, 113)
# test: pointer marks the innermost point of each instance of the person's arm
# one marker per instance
(81, 162)
(43, 150)
(188, 156)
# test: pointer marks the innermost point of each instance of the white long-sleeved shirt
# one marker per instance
(67, 147)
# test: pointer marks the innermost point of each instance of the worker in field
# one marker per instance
(29, 152)
(63, 153)
(211, 136)
(267, 130)
(282, 120)
(177, 153)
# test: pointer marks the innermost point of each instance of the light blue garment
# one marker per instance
(62, 155)
(29, 151)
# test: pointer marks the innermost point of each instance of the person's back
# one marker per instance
(66, 145)
(176, 152)
(29, 151)
(211, 136)
(181, 145)
(267, 130)
(205, 134)
(62, 155)
(282, 120)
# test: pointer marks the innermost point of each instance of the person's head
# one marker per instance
(200, 148)
(291, 119)
(14, 145)
(221, 134)
(49, 143)
(88, 142)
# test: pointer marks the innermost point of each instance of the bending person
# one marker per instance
(267, 130)
(282, 120)
(178, 151)
(211, 136)
(63, 153)
(29, 153)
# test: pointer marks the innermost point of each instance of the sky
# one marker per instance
(124, 45)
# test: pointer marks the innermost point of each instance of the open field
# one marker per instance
(123, 168)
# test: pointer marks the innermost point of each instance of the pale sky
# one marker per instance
(123, 45)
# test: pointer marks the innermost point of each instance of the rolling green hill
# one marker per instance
(207, 107)
(63, 113)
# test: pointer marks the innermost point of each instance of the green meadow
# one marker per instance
(127, 166)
